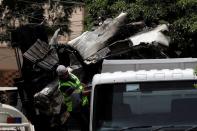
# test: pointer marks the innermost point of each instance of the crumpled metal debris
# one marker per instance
(96, 45)
(91, 42)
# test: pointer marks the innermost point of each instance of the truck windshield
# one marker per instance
(139, 104)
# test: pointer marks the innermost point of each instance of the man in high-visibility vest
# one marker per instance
(72, 90)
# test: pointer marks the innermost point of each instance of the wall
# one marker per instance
(8, 66)
(77, 19)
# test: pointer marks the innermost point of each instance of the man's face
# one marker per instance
(63, 77)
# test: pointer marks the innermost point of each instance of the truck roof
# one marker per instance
(144, 76)
(148, 64)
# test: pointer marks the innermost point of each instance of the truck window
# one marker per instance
(149, 103)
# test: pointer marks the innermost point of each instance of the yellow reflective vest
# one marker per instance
(78, 88)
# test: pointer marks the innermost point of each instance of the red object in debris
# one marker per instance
(10, 120)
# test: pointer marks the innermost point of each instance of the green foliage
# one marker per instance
(119, 6)
(54, 13)
(88, 21)
(98, 5)
(181, 15)
(185, 4)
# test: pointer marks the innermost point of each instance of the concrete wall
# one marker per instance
(7, 59)
(77, 20)
(8, 66)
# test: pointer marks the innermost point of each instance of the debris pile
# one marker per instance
(114, 39)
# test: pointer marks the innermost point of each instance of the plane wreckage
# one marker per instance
(114, 39)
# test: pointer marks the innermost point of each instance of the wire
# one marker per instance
(66, 2)
(77, 21)
(73, 23)
(71, 2)
(35, 18)
(31, 17)
(30, 2)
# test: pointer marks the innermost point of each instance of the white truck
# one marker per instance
(144, 100)
(11, 119)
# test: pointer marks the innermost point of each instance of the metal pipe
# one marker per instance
(18, 60)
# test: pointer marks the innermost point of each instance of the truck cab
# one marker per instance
(143, 100)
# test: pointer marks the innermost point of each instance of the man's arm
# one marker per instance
(68, 90)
